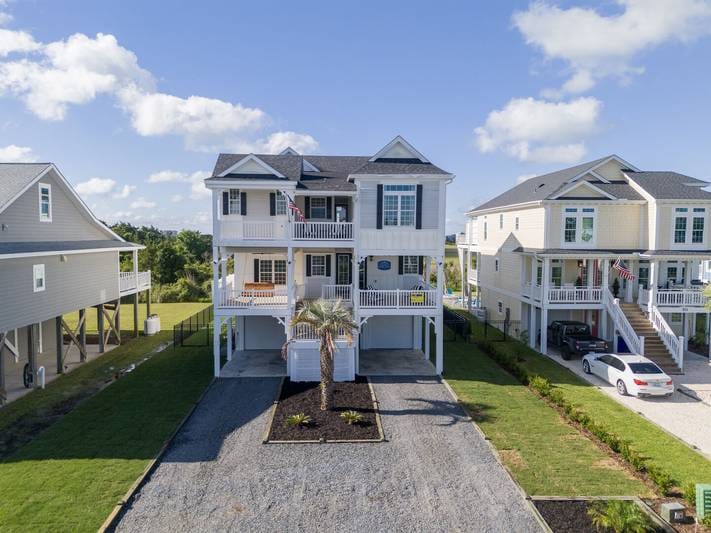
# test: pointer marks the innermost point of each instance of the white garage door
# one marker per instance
(263, 333)
(388, 332)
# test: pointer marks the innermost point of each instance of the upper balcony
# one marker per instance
(678, 298)
(130, 283)
(242, 229)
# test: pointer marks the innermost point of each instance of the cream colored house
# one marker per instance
(544, 251)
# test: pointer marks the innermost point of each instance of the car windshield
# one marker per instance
(577, 330)
(645, 368)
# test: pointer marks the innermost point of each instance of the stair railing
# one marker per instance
(674, 344)
(634, 342)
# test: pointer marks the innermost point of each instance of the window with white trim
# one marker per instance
(689, 225)
(38, 278)
(318, 207)
(496, 264)
(399, 203)
(500, 307)
(579, 225)
(410, 264)
(280, 203)
(676, 318)
(486, 230)
(272, 271)
(501, 221)
(45, 202)
(234, 207)
(556, 272)
(517, 225)
(318, 265)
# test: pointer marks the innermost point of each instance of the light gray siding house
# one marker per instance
(55, 258)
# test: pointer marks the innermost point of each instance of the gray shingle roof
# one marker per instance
(670, 185)
(7, 248)
(14, 177)
(333, 170)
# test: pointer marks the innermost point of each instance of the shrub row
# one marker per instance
(544, 388)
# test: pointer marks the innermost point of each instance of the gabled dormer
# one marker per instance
(398, 150)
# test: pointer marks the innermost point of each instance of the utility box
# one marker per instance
(673, 512)
(703, 500)
(151, 326)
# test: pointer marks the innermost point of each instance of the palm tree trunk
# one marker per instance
(326, 375)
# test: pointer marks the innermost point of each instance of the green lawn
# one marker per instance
(23, 418)
(545, 454)
(71, 476)
(169, 314)
(683, 463)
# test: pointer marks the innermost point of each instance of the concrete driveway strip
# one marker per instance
(435, 472)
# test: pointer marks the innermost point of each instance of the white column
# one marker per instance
(135, 267)
(290, 289)
(532, 333)
(215, 277)
(605, 273)
(546, 282)
(223, 269)
(439, 344)
(589, 272)
(653, 277)
(216, 345)
(463, 269)
(416, 332)
(685, 329)
(544, 330)
(478, 280)
(428, 326)
(629, 297)
(603, 323)
(440, 282)
(230, 330)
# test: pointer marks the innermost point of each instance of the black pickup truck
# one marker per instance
(574, 338)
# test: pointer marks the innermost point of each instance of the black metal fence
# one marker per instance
(195, 330)
(456, 323)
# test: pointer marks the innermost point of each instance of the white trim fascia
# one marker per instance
(639, 189)
(400, 177)
(307, 166)
(407, 145)
(593, 201)
(489, 210)
(289, 151)
(250, 184)
(306, 192)
(573, 186)
(254, 158)
(26, 187)
(21, 255)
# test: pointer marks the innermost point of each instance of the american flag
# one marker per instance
(298, 215)
(625, 272)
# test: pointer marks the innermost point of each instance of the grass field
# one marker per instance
(71, 476)
(546, 455)
(683, 463)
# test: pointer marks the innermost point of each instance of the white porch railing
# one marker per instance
(634, 342)
(267, 299)
(253, 229)
(681, 297)
(397, 299)
(306, 332)
(532, 291)
(575, 295)
(674, 344)
(336, 292)
(322, 231)
(129, 282)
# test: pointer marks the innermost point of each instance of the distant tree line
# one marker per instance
(180, 263)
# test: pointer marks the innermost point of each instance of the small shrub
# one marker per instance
(690, 493)
(540, 385)
(351, 417)
(706, 520)
(300, 420)
(620, 516)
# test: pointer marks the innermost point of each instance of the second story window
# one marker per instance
(689, 225)
(556, 272)
(399, 203)
(45, 202)
(318, 207)
(579, 225)
(234, 204)
(280, 204)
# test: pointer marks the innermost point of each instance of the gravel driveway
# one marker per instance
(435, 473)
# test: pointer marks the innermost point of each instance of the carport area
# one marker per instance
(395, 362)
(255, 364)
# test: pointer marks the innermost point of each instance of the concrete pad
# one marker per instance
(696, 380)
(255, 364)
(395, 363)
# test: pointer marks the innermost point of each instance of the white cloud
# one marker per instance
(277, 142)
(198, 190)
(540, 131)
(595, 46)
(125, 192)
(176, 198)
(95, 186)
(17, 154)
(142, 203)
(14, 40)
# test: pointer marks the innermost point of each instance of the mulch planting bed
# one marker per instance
(569, 516)
(296, 398)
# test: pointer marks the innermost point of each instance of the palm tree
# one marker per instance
(327, 320)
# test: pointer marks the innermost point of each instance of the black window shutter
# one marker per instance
(308, 266)
(400, 264)
(421, 265)
(272, 204)
(418, 208)
(329, 208)
(307, 207)
(243, 203)
(226, 203)
(379, 223)
(256, 270)
(328, 266)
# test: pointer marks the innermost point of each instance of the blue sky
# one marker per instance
(491, 91)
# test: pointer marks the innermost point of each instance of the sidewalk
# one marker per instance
(683, 415)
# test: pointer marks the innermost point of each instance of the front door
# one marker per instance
(343, 269)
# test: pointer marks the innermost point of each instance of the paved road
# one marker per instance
(435, 473)
(687, 418)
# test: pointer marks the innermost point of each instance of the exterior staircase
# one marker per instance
(654, 347)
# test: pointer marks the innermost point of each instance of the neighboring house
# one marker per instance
(55, 258)
(373, 225)
(544, 250)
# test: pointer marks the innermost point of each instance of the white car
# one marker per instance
(631, 374)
